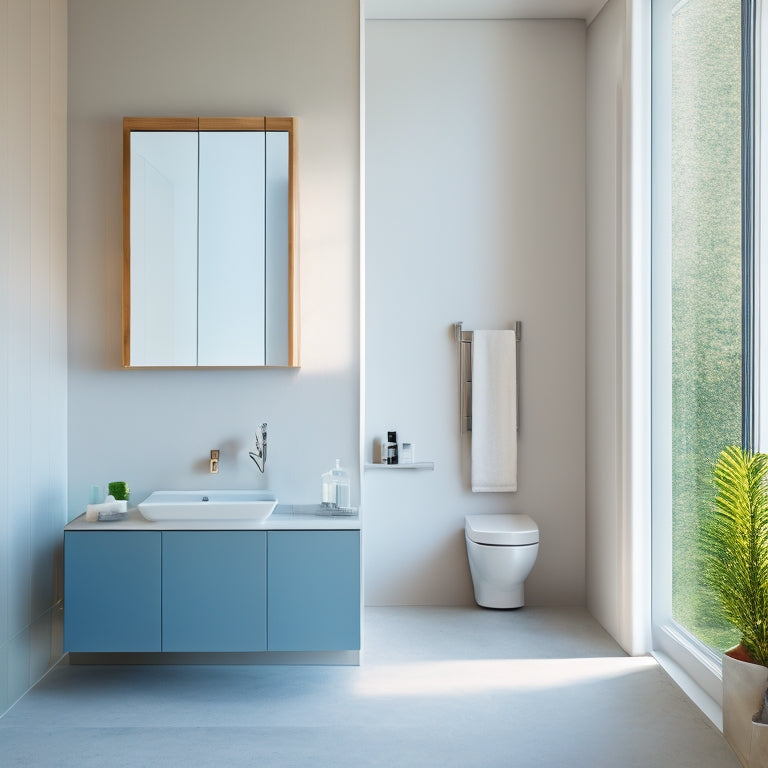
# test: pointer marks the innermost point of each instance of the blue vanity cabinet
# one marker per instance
(214, 587)
(210, 591)
(313, 590)
(111, 591)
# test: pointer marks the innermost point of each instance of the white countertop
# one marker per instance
(286, 517)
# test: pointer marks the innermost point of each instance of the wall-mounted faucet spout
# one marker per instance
(259, 456)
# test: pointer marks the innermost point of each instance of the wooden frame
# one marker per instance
(287, 124)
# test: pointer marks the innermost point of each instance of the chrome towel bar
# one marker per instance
(464, 339)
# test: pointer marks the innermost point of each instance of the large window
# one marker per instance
(699, 294)
(706, 282)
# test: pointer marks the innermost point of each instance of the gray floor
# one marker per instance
(437, 687)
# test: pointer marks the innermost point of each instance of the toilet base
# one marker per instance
(499, 572)
(489, 596)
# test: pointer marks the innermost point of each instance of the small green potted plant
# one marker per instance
(734, 543)
(119, 490)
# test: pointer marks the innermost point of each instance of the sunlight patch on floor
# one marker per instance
(433, 678)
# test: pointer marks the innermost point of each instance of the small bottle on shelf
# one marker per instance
(392, 448)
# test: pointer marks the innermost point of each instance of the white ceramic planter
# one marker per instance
(758, 754)
(744, 687)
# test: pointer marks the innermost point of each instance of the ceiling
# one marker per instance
(482, 9)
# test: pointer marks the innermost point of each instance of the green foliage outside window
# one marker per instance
(706, 286)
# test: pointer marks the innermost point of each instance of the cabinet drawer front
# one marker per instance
(214, 591)
(111, 591)
(314, 590)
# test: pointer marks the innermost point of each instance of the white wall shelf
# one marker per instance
(416, 465)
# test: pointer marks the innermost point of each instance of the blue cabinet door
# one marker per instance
(314, 590)
(214, 591)
(111, 591)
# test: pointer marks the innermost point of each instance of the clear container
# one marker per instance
(336, 488)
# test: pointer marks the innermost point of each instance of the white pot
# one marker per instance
(758, 755)
(744, 687)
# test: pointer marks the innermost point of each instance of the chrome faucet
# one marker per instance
(259, 456)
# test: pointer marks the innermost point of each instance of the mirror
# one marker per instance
(209, 270)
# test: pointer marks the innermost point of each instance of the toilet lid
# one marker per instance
(501, 529)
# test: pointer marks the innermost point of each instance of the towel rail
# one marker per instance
(464, 340)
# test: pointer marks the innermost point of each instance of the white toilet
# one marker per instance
(502, 550)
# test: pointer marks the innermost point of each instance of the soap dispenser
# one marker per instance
(336, 487)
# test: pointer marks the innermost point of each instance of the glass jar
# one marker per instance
(336, 488)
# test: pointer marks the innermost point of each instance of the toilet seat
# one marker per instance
(501, 530)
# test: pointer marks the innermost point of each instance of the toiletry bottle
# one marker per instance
(392, 448)
(379, 451)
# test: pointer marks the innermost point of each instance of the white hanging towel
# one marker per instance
(494, 411)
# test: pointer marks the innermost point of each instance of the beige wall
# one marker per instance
(33, 336)
(610, 591)
(155, 429)
(474, 212)
(158, 57)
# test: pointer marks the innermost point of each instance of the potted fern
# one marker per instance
(734, 539)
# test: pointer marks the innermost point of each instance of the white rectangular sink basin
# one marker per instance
(208, 505)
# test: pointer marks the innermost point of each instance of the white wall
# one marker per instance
(33, 337)
(608, 560)
(475, 211)
(155, 429)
